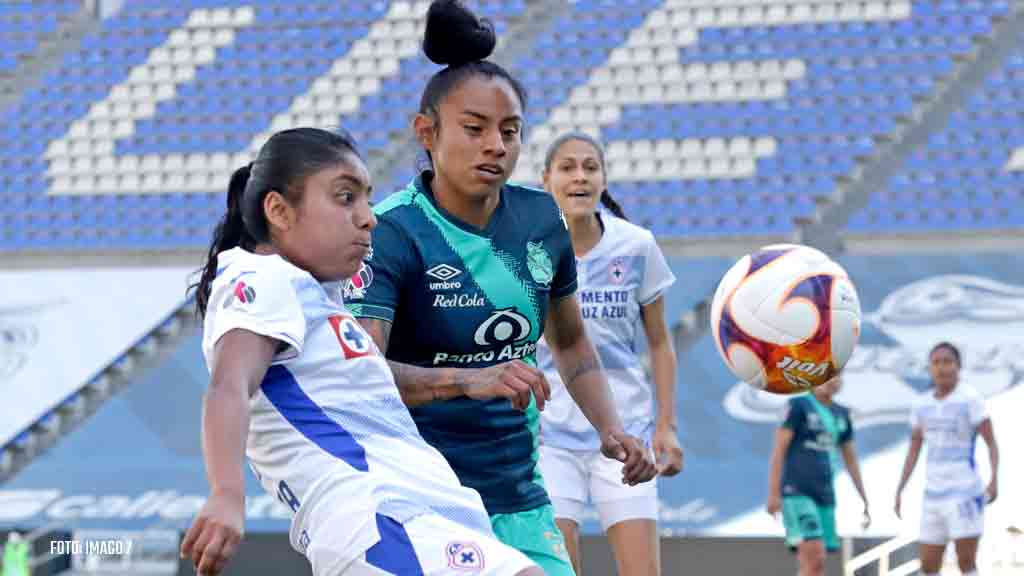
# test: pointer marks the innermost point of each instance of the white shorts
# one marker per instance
(575, 477)
(945, 520)
(433, 546)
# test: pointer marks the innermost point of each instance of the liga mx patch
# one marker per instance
(465, 556)
(356, 286)
(244, 293)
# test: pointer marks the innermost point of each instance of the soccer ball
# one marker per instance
(785, 318)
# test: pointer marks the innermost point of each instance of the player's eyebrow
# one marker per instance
(350, 179)
(514, 118)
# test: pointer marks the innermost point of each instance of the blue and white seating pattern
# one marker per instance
(970, 176)
(722, 117)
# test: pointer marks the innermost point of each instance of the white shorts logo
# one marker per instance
(465, 556)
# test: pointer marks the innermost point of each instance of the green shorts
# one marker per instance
(534, 533)
(805, 519)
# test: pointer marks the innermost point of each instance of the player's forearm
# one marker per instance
(225, 429)
(586, 382)
(775, 474)
(663, 368)
(908, 466)
(993, 458)
(418, 385)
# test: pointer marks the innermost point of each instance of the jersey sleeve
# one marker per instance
(976, 410)
(564, 282)
(263, 302)
(915, 415)
(376, 290)
(657, 275)
(794, 415)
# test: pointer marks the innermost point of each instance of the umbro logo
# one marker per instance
(443, 272)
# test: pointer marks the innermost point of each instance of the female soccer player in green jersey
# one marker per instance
(467, 273)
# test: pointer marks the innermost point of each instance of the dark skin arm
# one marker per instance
(514, 380)
(240, 360)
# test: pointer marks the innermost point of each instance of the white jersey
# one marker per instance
(950, 428)
(328, 432)
(624, 271)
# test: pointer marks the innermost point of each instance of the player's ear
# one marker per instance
(279, 213)
(425, 128)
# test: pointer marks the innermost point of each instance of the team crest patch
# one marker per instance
(617, 271)
(355, 287)
(538, 262)
(465, 556)
(355, 343)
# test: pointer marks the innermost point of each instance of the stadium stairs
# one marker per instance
(48, 55)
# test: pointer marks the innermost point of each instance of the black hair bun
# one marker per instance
(454, 35)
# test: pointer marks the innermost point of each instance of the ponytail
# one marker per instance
(229, 233)
(608, 202)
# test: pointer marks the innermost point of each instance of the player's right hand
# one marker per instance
(774, 504)
(215, 534)
(896, 506)
(515, 380)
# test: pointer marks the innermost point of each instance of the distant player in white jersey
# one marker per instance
(298, 387)
(949, 420)
(622, 278)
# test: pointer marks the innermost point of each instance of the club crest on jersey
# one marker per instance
(465, 556)
(355, 287)
(538, 262)
(355, 343)
(244, 293)
(617, 271)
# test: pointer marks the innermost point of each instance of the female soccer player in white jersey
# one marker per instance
(949, 419)
(300, 389)
(622, 278)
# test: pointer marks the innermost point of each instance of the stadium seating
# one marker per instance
(970, 176)
(23, 23)
(721, 118)
(726, 119)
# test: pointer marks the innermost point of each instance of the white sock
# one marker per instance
(971, 573)
(929, 574)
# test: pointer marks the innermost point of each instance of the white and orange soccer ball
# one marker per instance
(786, 318)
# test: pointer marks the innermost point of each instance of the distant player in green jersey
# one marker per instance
(467, 273)
(803, 466)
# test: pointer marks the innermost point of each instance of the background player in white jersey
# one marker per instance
(300, 388)
(622, 276)
(949, 419)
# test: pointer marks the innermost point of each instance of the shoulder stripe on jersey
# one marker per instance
(280, 387)
(402, 197)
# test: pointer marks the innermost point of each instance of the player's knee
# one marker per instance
(812, 558)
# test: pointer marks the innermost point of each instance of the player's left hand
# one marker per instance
(865, 522)
(638, 465)
(991, 492)
(667, 451)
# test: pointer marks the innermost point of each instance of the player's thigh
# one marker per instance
(571, 533)
(635, 545)
(564, 473)
(967, 553)
(811, 557)
(617, 502)
(802, 520)
(435, 546)
(931, 557)
(535, 534)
